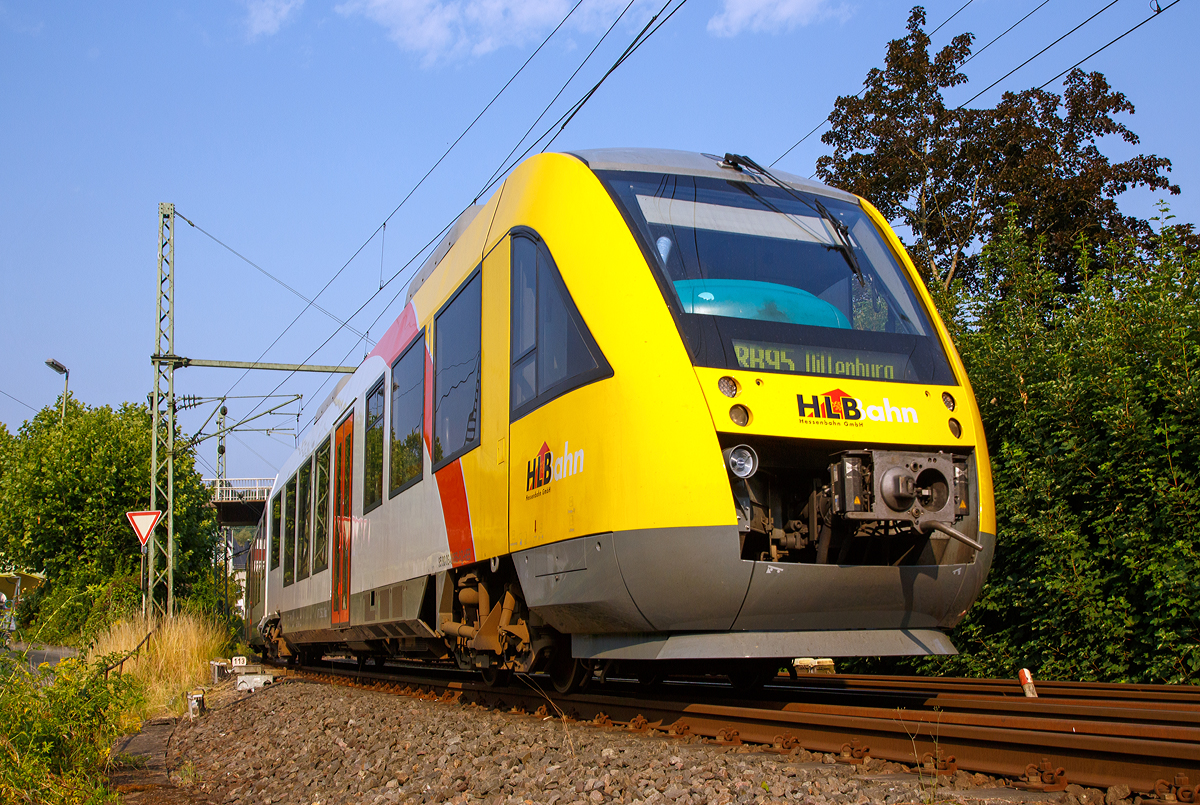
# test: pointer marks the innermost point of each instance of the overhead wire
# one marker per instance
(231, 250)
(1039, 53)
(22, 402)
(643, 35)
(255, 452)
(817, 127)
(637, 42)
(640, 39)
(952, 16)
(415, 187)
(1157, 11)
(557, 95)
(370, 299)
(1005, 32)
(561, 123)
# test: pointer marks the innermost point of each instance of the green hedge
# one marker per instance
(1091, 404)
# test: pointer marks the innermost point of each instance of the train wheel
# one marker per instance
(496, 677)
(750, 676)
(568, 674)
(649, 675)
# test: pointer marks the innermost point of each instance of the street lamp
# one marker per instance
(62, 370)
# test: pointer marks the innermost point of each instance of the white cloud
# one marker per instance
(770, 15)
(263, 17)
(440, 29)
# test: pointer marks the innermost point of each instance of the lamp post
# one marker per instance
(62, 370)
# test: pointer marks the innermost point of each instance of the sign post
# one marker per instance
(143, 525)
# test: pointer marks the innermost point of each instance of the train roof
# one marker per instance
(666, 160)
(648, 160)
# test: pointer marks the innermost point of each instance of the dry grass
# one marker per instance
(174, 661)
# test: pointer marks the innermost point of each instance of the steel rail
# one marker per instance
(1099, 741)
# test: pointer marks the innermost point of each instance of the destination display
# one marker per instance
(803, 360)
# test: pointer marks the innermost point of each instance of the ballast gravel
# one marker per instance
(305, 743)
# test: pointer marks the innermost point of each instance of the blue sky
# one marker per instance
(290, 129)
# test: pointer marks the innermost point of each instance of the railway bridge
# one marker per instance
(239, 501)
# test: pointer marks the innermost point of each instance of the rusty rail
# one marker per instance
(1140, 736)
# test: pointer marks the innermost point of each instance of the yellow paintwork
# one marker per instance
(651, 458)
(643, 442)
(968, 410)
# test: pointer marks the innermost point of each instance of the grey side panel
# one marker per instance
(800, 597)
(391, 602)
(685, 578)
(396, 613)
(973, 580)
(576, 586)
(305, 619)
(733, 645)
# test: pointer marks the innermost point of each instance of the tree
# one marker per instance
(950, 175)
(64, 491)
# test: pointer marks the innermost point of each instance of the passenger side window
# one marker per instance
(276, 528)
(289, 532)
(321, 510)
(304, 521)
(373, 450)
(552, 349)
(456, 378)
(408, 417)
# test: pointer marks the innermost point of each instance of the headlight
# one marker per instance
(740, 415)
(742, 461)
(728, 386)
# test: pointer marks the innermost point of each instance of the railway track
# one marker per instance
(1097, 735)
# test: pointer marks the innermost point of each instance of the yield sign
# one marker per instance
(143, 523)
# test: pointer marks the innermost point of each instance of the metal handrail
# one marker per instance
(120, 664)
(235, 489)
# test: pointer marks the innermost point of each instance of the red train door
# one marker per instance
(342, 520)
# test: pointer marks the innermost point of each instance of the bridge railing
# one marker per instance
(233, 489)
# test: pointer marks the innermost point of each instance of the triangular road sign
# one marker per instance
(143, 523)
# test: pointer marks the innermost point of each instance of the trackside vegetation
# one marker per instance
(64, 491)
(1091, 404)
(1080, 329)
(56, 729)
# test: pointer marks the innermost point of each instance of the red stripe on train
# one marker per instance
(398, 336)
(453, 491)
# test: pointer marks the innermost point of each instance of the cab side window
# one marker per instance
(457, 338)
(552, 349)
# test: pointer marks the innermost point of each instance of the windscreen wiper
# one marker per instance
(841, 233)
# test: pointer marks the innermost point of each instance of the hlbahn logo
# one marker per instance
(546, 468)
(838, 405)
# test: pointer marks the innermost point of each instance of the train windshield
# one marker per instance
(762, 279)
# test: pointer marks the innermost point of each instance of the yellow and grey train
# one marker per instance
(667, 409)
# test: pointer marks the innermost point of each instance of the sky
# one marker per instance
(289, 130)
